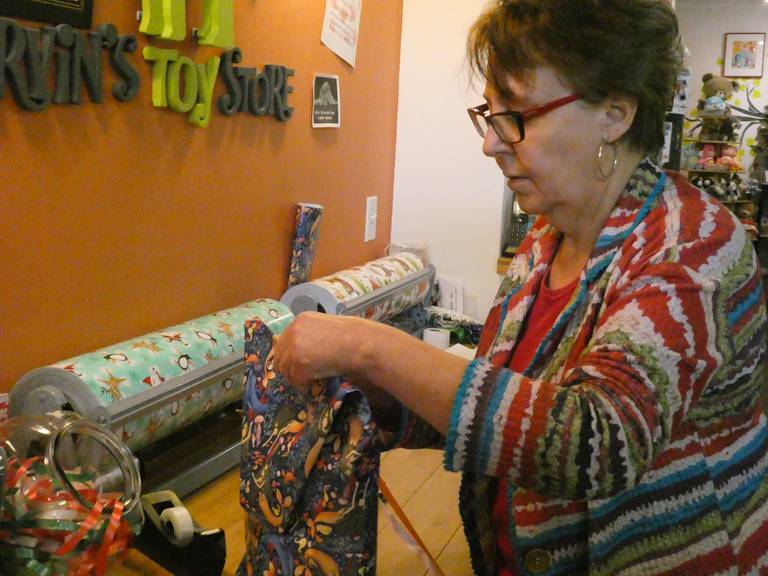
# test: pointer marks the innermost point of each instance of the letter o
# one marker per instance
(175, 101)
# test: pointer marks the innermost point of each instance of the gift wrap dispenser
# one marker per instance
(379, 290)
(170, 395)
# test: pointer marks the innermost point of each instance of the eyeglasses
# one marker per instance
(508, 125)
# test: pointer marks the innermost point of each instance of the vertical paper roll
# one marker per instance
(304, 241)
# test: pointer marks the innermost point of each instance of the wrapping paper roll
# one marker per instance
(333, 293)
(117, 372)
(304, 242)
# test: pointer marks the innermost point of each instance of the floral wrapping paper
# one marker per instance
(309, 473)
(361, 280)
(122, 370)
(304, 242)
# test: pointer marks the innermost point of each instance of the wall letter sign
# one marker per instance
(167, 19)
(27, 56)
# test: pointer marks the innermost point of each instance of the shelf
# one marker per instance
(713, 171)
(697, 141)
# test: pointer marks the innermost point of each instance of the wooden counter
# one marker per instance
(426, 492)
(216, 505)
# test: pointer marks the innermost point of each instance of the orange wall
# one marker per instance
(119, 218)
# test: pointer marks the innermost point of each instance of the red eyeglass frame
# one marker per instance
(519, 116)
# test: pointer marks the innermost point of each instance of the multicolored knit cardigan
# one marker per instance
(635, 443)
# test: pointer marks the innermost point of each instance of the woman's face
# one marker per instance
(553, 170)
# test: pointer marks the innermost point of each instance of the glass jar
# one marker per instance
(69, 496)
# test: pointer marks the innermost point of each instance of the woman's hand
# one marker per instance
(316, 346)
(375, 355)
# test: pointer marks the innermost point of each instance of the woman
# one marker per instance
(611, 422)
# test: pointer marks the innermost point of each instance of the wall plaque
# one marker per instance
(78, 13)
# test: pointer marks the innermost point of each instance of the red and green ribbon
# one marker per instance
(49, 530)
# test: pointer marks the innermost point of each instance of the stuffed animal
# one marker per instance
(710, 128)
(714, 187)
(707, 160)
(727, 129)
(716, 90)
(729, 160)
(698, 181)
(689, 157)
(732, 191)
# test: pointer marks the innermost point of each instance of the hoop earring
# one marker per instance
(601, 154)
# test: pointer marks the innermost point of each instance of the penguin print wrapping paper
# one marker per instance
(120, 371)
(309, 472)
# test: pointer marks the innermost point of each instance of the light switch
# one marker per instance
(371, 214)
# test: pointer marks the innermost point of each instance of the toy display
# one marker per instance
(712, 159)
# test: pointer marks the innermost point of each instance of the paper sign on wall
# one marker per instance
(326, 102)
(340, 27)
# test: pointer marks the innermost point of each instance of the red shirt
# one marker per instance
(541, 317)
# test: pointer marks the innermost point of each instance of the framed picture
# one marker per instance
(744, 54)
(326, 101)
(78, 13)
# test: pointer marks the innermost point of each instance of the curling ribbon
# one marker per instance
(38, 516)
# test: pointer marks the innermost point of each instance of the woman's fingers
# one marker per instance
(316, 346)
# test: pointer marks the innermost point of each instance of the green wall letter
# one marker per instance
(164, 18)
(176, 101)
(206, 79)
(160, 57)
(218, 24)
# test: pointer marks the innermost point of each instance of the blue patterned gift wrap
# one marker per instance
(304, 242)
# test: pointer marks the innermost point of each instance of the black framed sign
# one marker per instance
(78, 13)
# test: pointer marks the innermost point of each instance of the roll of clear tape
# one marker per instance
(178, 525)
(438, 337)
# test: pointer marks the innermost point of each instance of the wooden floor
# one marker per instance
(427, 493)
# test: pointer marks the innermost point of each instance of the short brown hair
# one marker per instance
(598, 47)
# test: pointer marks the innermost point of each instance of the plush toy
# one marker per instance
(707, 160)
(732, 191)
(716, 90)
(698, 181)
(729, 160)
(689, 157)
(714, 187)
(710, 128)
(727, 128)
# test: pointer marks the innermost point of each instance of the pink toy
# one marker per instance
(707, 160)
(729, 160)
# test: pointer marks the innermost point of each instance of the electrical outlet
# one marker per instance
(371, 215)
